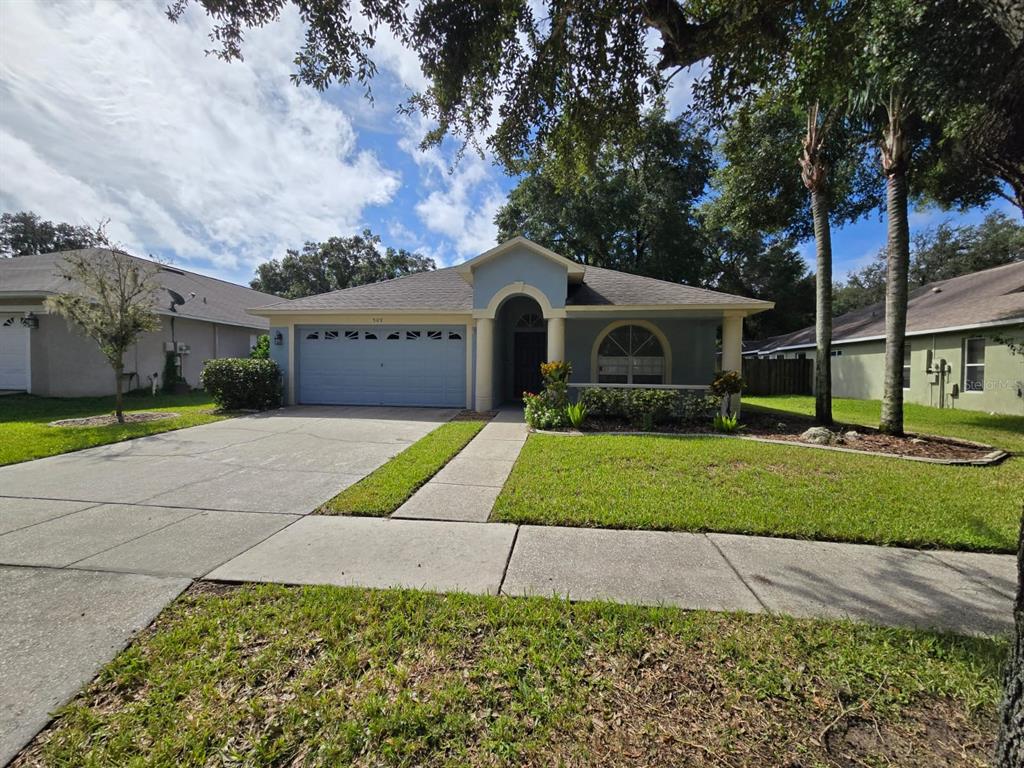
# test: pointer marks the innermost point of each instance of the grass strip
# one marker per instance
(388, 487)
(327, 676)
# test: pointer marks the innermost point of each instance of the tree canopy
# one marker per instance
(939, 253)
(23, 233)
(336, 263)
(634, 211)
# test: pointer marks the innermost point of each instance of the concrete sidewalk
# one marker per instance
(466, 488)
(959, 592)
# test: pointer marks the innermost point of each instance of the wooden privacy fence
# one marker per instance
(766, 376)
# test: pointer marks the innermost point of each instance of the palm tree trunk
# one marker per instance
(1010, 747)
(895, 301)
(895, 161)
(823, 309)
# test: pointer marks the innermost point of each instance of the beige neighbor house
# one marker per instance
(201, 318)
(956, 353)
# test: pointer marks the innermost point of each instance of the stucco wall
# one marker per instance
(520, 265)
(67, 364)
(859, 373)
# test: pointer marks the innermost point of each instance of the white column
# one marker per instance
(484, 363)
(732, 350)
(469, 365)
(556, 338)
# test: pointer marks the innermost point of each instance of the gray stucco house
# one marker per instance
(956, 353)
(474, 335)
(201, 318)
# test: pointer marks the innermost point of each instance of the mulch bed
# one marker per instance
(106, 419)
(474, 415)
(772, 426)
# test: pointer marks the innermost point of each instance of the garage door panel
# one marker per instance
(14, 340)
(382, 365)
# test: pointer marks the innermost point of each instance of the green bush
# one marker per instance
(647, 407)
(541, 414)
(238, 383)
(726, 423)
(262, 349)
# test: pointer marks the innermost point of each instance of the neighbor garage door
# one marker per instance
(381, 365)
(13, 353)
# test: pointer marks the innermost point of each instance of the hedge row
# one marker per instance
(646, 407)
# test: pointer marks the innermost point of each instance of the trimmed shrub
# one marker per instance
(647, 407)
(239, 383)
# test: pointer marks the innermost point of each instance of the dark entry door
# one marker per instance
(530, 349)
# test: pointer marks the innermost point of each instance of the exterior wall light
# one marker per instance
(30, 320)
(278, 338)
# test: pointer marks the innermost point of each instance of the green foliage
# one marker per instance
(336, 263)
(547, 409)
(576, 413)
(727, 423)
(727, 383)
(262, 349)
(633, 211)
(24, 233)
(238, 383)
(171, 376)
(389, 486)
(540, 413)
(940, 253)
(648, 407)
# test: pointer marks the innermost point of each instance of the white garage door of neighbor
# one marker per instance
(13, 353)
(381, 365)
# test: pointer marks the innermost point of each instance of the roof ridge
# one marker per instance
(662, 281)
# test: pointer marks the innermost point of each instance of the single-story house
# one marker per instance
(956, 353)
(201, 318)
(474, 335)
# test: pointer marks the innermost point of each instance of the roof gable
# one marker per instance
(574, 270)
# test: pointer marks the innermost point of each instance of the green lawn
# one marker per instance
(385, 489)
(25, 432)
(326, 676)
(1006, 432)
(740, 486)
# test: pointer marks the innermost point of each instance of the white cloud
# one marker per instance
(109, 110)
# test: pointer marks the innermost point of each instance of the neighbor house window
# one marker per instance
(974, 365)
(630, 354)
(906, 366)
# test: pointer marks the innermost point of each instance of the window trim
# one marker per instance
(666, 348)
(908, 367)
(965, 365)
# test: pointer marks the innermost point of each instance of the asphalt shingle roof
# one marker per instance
(215, 300)
(981, 298)
(444, 289)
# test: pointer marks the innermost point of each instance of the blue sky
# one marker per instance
(109, 111)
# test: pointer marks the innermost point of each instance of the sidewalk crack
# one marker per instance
(511, 549)
(739, 575)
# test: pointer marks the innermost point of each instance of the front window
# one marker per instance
(906, 366)
(630, 354)
(974, 365)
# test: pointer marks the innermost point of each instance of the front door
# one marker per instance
(529, 351)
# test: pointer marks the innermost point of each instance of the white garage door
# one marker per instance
(13, 353)
(381, 365)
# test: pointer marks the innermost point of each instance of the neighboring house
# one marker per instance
(200, 317)
(474, 335)
(956, 355)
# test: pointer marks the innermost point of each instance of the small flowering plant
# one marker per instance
(547, 410)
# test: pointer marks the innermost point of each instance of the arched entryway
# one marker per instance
(522, 331)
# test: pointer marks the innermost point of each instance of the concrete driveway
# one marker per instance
(93, 544)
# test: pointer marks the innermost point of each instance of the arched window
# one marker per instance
(630, 354)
